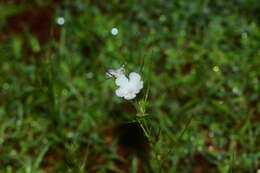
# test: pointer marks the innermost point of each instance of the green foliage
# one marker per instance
(199, 61)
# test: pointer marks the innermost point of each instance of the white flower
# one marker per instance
(128, 88)
(116, 73)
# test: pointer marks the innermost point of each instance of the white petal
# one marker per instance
(140, 85)
(121, 80)
(117, 72)
(120, 92)
(121, 70)
(136, 91)
(130, 96)
(133, 76)
(109, 74)
(136, 86)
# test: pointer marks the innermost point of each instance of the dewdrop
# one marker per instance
(60, 20)
(114, 31)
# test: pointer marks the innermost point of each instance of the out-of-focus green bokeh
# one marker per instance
(199, 59)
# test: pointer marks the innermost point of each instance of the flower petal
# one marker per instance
(116, 72)
(133, 76)
(120, 92)
(121, 80)
(129, 96)
(139, 85)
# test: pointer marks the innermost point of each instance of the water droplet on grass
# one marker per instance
(114, 31)
(60, 20)
(216, 69)
(162, 18)
(89, 75)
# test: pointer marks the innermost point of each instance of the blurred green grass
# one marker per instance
(58, 113)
